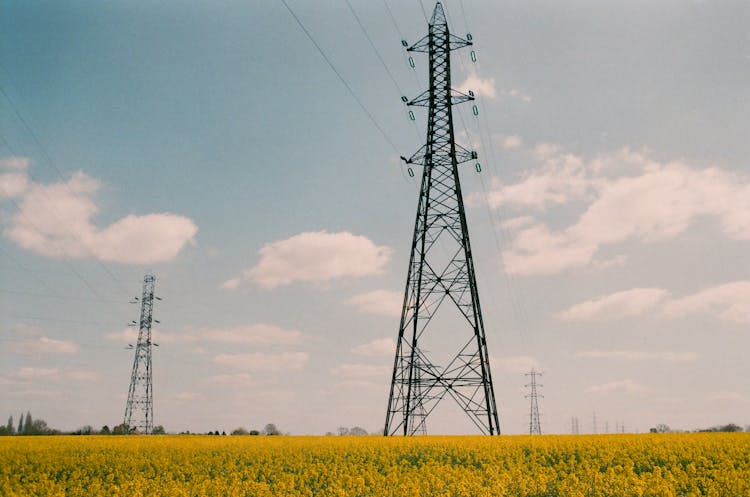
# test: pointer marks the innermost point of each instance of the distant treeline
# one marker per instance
(27, 425)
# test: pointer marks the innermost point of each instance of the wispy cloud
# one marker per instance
(14, 180)
(382, 347)
(635, 302)
(484, 87)
(231, 284)
(263, 362)
(515, 364)
(640, 355)
(729, 397)
(361, 371)
(185, 396)
(619, 386)
(382, 302)
(729, 302)
(253, 334)
(38, 376)
(45, 345)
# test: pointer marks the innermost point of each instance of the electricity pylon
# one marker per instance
(441, 288)
(535, 426)
(139, 409)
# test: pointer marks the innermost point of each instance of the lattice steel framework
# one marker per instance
(535, 426)
(441, 269)
(139, 409)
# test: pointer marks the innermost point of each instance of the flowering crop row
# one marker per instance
(689, 465)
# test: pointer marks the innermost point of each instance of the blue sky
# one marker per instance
(210, 143)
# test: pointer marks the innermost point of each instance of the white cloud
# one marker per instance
(382, 347)
(14, 163)
(729, 396)
(514, 364)
(361, 371)
(81, 375)
(515, 93)
(484, 87)
(624, 196)
(28, 373)
(511, 142)
(562, 178)
(263, 362)
(318, 257)
(15, 181)
(383, 302)
(231, 284)
(185, 396)
(619, 386)
(231, 379)
(56, 220)
(254, 334)
(45, 345)
(635, 302)
(127, 335)
(729, 302)
(36, 376)
(640, 355)
(13, 177)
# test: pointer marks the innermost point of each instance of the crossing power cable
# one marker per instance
(52, 164)
(340, 77)
(380, 58)
(513, 287)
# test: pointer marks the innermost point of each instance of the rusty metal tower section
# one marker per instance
(139, 409)
(441, 302)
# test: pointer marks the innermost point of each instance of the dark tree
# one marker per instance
(271, 429)
(121, 429)
(20, 425)
(10, 426)
(159, 430)
(105, 430)
(27, 424)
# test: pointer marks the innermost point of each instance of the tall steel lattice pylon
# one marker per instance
(535, 426)
(441, 289)
(139, 410)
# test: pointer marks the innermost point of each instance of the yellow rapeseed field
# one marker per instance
(710, 464)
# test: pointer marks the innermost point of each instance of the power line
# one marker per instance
(63, 258)
(374, 48)
(424, 12)
(380, 58)
(58, 297)
(341, 78)
(52, 164)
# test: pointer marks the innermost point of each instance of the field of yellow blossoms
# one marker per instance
(664, 465)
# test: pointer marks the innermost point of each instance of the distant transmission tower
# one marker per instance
(441, 278)
(139, 410)
(535, 427)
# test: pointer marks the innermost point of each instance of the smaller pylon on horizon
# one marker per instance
(535, 427)
(574, 429)
(139, 409)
